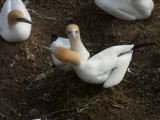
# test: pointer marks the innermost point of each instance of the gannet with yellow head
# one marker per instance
(15, 21)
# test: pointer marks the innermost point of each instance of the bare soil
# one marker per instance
(63, 94)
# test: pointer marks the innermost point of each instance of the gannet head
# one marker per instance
(64, 54)
(67, 55)
(73, 32)
(16, 16)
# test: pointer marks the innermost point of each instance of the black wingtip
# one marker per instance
(143, 45)
(135, 38)
(140, 45)
(53, 37)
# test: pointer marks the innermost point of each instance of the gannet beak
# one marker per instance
(48, 49)
(73, 34)
(24, 20)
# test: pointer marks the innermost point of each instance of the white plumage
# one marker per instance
(15, 21)
(61, 42)
(107, 67)
(129, 10)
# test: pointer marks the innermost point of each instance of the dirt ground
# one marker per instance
(62, 95)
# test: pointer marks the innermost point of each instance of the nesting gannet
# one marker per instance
(15, 21)
(107, 67)
(129, 10)
(73, 42)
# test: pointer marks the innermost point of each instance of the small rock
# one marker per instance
(29, 55)
(12, 64)
(17, 57)
(34, 113)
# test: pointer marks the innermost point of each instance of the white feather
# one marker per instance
(108, 66)
(129, 10)
(61, 42)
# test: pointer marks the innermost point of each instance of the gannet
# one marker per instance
(73, 42)
(129, 10)
(15, 21)
(107, 67)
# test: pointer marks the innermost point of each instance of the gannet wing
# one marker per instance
(121, 14)
(112, 52)
(118, 73)
(60, 42)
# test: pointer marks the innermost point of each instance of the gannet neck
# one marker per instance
(67, 55)
(76, 44)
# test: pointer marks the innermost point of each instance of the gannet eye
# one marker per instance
(76, 31)
(69, 32)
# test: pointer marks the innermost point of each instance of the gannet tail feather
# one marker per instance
(135, 38)
(138, 46)
(143, 45)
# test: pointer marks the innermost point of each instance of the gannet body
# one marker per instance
(107, 67)
(129, 10)
(15, 21)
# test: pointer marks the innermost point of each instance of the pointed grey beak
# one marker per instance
(48, 49)
(24, 20)
(73, 34)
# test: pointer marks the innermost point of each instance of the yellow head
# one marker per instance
(65, 55)
(73, 32)
(17, 16)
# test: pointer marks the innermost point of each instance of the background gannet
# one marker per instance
(129, 10)
(15, 21)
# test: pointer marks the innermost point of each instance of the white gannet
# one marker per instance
(129, 10)
(107, 67)
(15, 21)
(73, 42)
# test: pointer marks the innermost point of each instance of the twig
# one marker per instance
(58, 112)
(94, 98)
(3, 115)
(157, 17)
(72, 109)
(128, 70)
(48, 73)
(41, 16)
